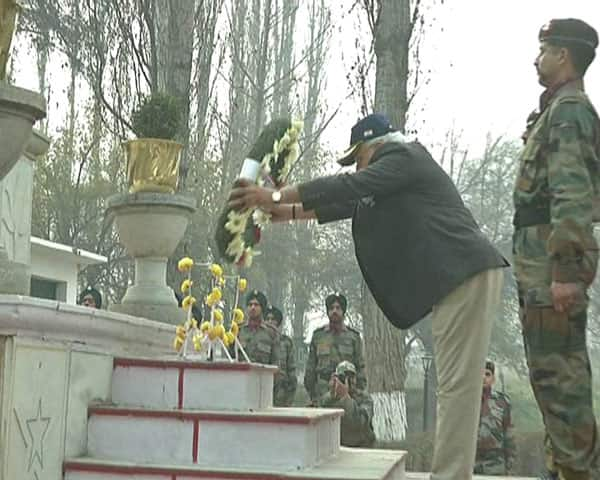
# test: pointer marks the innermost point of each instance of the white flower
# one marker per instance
(248, 257)
(236, 247)
(284, 142)
(261, 218)
(237, 221)
(297, 126)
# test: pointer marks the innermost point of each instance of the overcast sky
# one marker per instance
(481, 55)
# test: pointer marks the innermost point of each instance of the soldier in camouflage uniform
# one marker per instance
(496, 447)
(555, 253)
(356, 427)
(329, 346)
(259, 339)
(284, 388)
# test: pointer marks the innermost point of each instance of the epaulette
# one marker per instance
(320, 329)
(353, 330)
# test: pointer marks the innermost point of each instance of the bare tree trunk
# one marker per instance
(385, 346)
(174, 26)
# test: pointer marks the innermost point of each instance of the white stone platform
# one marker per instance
(102, 390)
(347, 464)
(177, 419)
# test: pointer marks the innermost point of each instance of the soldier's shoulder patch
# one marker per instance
(573, 110)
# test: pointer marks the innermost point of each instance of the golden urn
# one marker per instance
(8, 18)
(152, 165)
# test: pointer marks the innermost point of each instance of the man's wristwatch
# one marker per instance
(276, 197)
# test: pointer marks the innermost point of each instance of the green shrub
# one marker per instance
(158, 116)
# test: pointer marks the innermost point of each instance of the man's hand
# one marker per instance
(280, 213)
(564, 296)
(340, 390)
(248, 195)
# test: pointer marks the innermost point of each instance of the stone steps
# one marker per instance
(347, 464)
(169, 383)
(294, 438)
(179, 420)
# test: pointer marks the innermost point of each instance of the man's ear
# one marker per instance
(564, 55)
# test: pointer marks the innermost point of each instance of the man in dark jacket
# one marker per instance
(420, 251)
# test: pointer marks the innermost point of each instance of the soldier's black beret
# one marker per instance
(336, 297)
(569, 31)
(259, 297)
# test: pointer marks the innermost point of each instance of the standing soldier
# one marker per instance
(555, 253)
(284, 388)
(329, 346)
(260, 340)
(496, 448)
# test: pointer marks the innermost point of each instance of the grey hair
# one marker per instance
(396, 136)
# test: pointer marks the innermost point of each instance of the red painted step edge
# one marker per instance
(175, 472)
(157, 363)
(207, 416)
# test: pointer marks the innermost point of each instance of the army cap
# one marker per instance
(569, 31)
(344, 368)
(259, 297)
(370, 127)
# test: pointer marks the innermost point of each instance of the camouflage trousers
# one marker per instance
(561, 378)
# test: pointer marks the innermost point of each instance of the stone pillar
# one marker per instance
(19, 110)
(150, 226)
(16, 195)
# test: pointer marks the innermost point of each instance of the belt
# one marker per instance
(532, 215)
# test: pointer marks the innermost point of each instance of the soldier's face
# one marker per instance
(335, 313)
(270, 318)
(549, 64)
(88, 301)
(488, 378)
(254, 309)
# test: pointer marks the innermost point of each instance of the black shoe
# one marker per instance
(548, 475)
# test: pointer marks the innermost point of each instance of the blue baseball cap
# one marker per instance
(370, 127)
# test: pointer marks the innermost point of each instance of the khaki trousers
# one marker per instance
(462, 327)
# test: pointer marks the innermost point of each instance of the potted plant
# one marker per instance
(153, 158)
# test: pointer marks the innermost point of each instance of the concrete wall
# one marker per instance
(55, 359)
(45, 265)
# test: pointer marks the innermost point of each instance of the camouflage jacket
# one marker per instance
(327, 349)
(286, 382)
(261, 344)
(562, 148)
(496, 448)
(356, 426)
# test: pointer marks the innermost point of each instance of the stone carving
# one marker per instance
(15, 218)
(33, 432)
